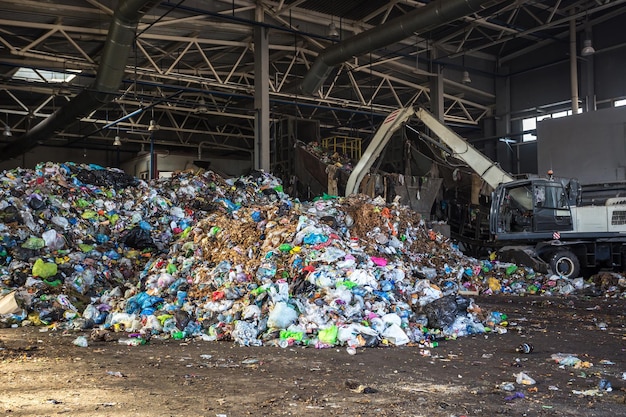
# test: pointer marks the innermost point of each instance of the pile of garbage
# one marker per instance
(197, 255)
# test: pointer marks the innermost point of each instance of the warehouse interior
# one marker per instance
(152, 86)
(271, 207)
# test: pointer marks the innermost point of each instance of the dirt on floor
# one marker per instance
(42, 372)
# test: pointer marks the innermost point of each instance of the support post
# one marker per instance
(261, 95)
(572, 63)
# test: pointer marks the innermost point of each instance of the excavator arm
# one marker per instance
(392, 123)
(488, 170)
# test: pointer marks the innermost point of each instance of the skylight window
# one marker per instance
(44, 76)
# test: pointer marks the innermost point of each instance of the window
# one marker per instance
(44, 76)
(529, 126)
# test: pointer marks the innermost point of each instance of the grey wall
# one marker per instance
(588, 146)
(609, 61)
(540, 82)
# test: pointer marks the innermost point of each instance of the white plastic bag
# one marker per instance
(281, 316)
(396, 335)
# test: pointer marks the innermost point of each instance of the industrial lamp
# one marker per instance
(153, 126)
(587, 48)
(332, 30)
(7, 129)
(117, 141)
(466, 78)
(202, 108)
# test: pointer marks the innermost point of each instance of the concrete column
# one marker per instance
(261, 96)
(436, 88)
(573, 54)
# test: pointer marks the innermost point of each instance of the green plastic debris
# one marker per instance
(89, 214)
(54, 283)
(258, 290)
(285, 247)
(348, 284)
(34, 243)
(328, 336)
(171, 268)
(511, 269)
(178, 335)
(85, 247)
(113, 218)
(289, 334)
(185, 232)
(44, 269)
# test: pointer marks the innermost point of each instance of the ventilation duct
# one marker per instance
(436, 13)
(105, 87)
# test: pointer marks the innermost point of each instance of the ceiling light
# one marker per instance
(153, 126)
(7, 131)
(466, 78)
(117, 141)
(202, 108)
(332, 30)
(587, 48)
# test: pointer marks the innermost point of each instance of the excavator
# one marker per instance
(539, 222)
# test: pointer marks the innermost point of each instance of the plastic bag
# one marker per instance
(81, 341)
(34, 243)
(524, 379)
(245, 334)
(328, 336)
(281, 316)
(443, 311)
(43, 269)
(395, 335)
(53, 240)
(364, 278)
(138, 238)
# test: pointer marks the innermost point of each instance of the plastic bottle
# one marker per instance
(132, 341)
(524, 348)
(285, 343)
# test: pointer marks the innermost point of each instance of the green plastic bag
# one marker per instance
(34, 243)
(85, 247)
(89, 214)
(348, 284)
(44, 269)
(328, 335)
(511, 269)
(113, 218)
(289, 334)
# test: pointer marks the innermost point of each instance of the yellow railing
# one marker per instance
(349, 146)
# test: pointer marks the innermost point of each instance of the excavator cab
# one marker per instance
(530, 209)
